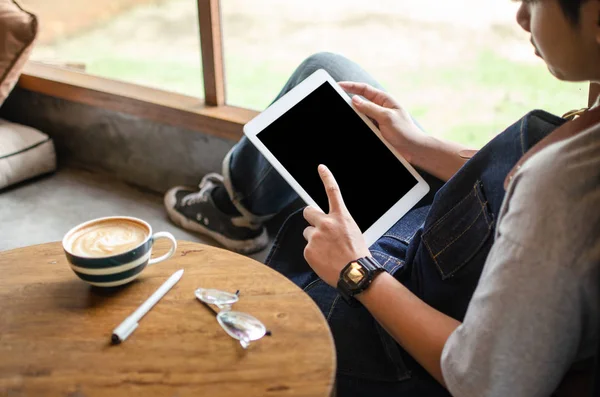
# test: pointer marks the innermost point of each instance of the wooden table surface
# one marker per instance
(55, 331)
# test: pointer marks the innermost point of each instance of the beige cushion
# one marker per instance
(24, 153)
(18, 30)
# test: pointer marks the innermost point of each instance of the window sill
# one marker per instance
(157, 105)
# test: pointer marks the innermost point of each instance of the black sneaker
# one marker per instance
(196, 211)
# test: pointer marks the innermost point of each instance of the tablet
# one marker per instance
(315, 123)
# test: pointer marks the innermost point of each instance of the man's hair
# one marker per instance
(571, 8)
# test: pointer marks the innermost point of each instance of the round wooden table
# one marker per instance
(55, 331)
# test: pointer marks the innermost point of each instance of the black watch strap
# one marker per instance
(372, 268)
(346, 294)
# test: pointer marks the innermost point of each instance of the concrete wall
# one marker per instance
(144, 153)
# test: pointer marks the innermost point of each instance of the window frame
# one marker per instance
(594, 93)
(149, 103)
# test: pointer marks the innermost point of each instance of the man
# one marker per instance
(485, 292)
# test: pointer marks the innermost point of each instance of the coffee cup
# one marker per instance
(112, 251)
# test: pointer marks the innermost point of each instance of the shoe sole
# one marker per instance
(245, 247)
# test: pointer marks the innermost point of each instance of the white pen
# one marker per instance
(131, 323)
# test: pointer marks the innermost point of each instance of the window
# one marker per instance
(464, 68)
(148, 42)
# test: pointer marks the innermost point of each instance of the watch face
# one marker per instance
(354, 274)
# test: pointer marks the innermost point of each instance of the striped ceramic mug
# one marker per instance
(112, 251)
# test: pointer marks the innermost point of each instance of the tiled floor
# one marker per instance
(44, 209)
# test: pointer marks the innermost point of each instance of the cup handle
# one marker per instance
(169, 254)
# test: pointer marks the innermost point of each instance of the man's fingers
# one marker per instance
(371, 93)
(336, 202)
(373, 111)
(308, 232)
(312, 215)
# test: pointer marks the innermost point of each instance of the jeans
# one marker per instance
(437, 250)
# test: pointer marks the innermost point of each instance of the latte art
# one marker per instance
(107, 238)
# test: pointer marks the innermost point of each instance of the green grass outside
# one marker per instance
(174, 76)
(485, 96)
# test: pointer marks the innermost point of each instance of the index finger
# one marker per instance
(371, 93)
(336, 202)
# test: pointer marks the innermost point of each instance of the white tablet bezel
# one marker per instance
(291, 98)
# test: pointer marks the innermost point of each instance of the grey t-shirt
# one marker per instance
(535, 310)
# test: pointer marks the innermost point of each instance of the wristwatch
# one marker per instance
(356, 277)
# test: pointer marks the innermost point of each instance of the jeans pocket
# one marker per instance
(458, 235)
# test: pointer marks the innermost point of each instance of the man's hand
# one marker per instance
(334, 239)
(394, 122)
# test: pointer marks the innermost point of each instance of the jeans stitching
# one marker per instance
(394, 269)
(386, 261)
(311, 285)
(483, 205)
(522, 137)
(276, 243)
(403, 239)
(335, 301)
(428, 247)
(460, 235)
(457, 268)
(451, 209)
(274, 250)
(414, 233)
(433, 257)
(388, 256)
(395, 237)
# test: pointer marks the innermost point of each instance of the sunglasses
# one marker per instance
(241, 326)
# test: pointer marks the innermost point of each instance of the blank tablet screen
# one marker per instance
(324, 129)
